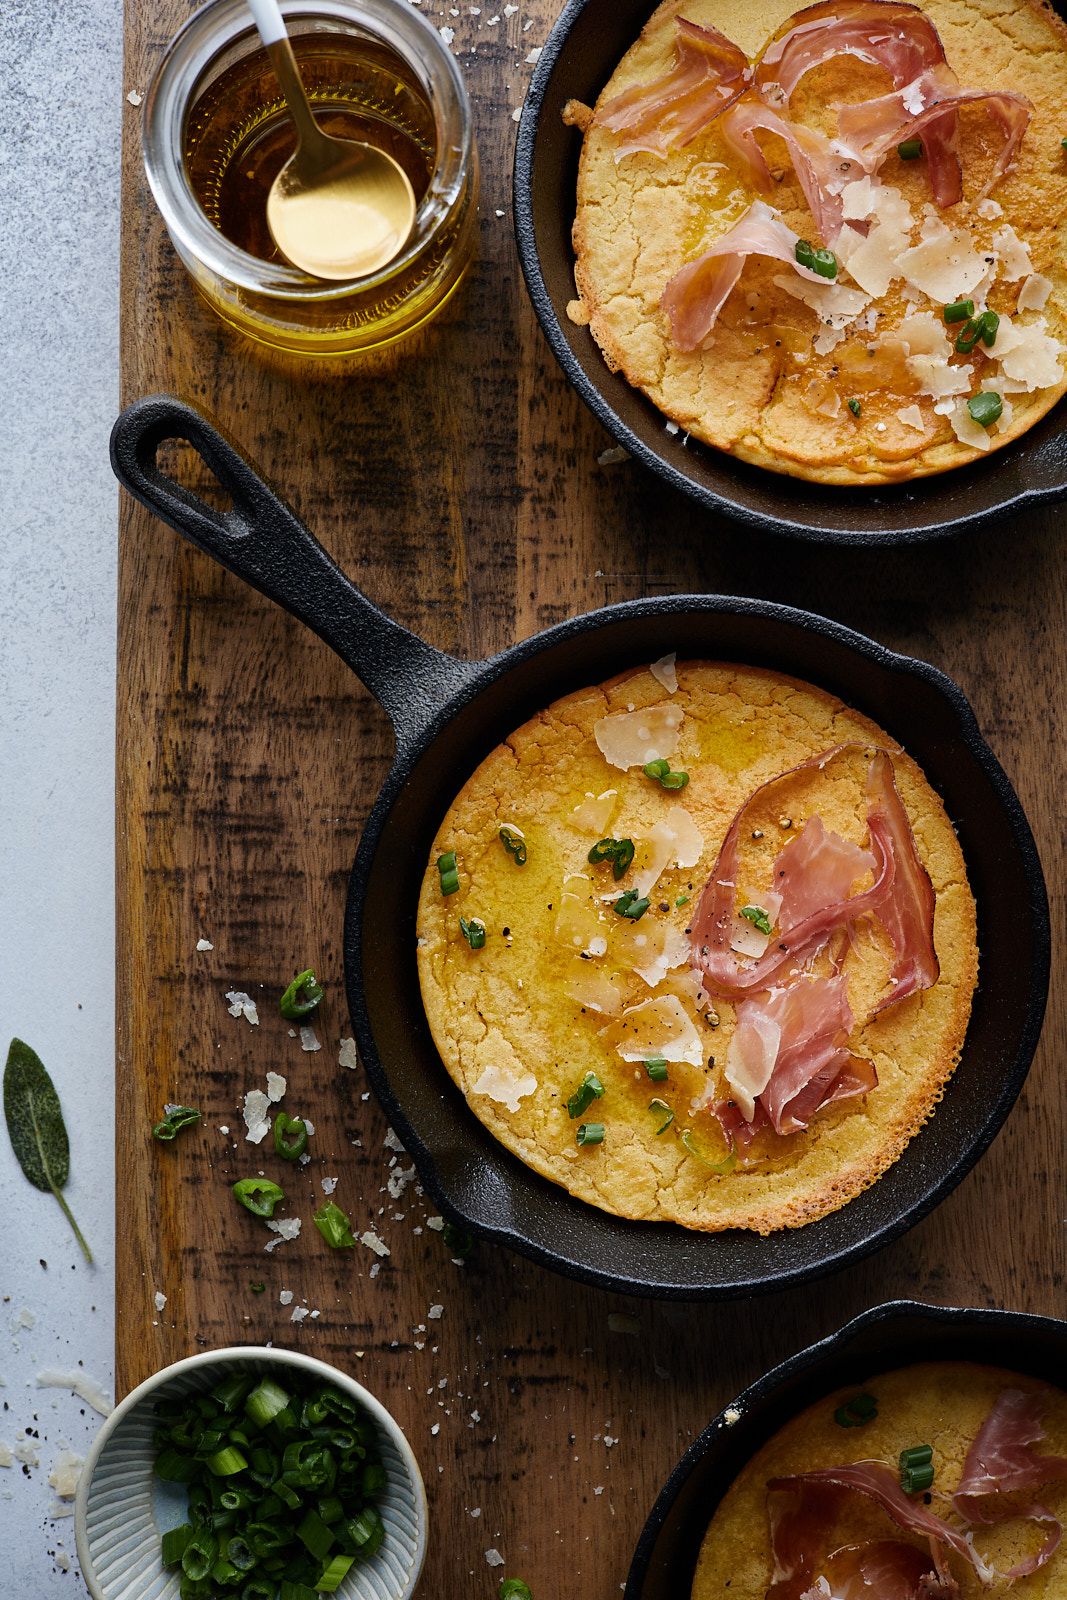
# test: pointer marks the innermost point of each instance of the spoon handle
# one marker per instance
(271, 27)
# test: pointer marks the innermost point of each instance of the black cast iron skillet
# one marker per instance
(897, 1334)
(449, 714)
(579, 57)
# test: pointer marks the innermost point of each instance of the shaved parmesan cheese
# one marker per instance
(503, 1076)
(857, 200)
(873, 264)
(750, 1058)
(592, 989)
(688, 839)
(372, 1242)
(989, 209)
(275, 1086)
(945, 266)
(78, 1383)
(659, 1027)
(650, 948)
(965, 428)
(242, 1004)
(1013, 252)
(578, 925)
(832, 303)
(663, 671)
(65, 1474)
(677, 838)
(1034, 292)
(346, 1056)
(7, 1455)
(285, 1228)
(745, 937)
(633, 738)
(256, 1107)
(308, 1040)
(911, 417)
(1026, 352)
(689, 985)
(594, 815)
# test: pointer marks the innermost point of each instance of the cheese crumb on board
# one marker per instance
(242, 1004)
(204, 944)
(275, 1086)
(308, 1040)
(373, 1242)
(346, 1056)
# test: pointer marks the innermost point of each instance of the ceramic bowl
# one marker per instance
(122, 1509)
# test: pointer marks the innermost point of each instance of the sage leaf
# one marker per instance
(35, 1124)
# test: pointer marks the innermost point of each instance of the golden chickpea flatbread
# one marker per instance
(553, 992)
(940, 1404)
(882, 395)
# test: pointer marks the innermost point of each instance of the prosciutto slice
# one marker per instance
(894, 853)
(927, 109)
(818, 166)
(881, 1569)
(709, 73)
(694, 297)
(1001, 1461)
(882, 32)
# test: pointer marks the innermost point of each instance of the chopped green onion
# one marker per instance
(460, 1243)
(315, 1534)
(365, 1532)
(296, 1591)
(264, 1403)
(591, 1133)
(959, 311)
(514, 844)
(620, 852)
(334, 1226)
(332, 1575)
(258, 1195)
(515, 1589)
(918, 1455)
(173, 1467)
(728, 1163)
(656, 1067)
(446, 866)
(231, 1392)
(302, 996)
(473, 931)
(916, 1468)
(199, 1555)
(985, 407)
(758, 918)
(661, 771)
(855, 1412)
(259, 1288)
(855, 407)
(990, 324)
(631, 905)
(661, 1105)
(174, 1543)
(175, 1118)
(823, 262)
(983, 327)
(682, 900)
(258, 1589)
(1064, 143)
(226, 1462)
(591, 1089)
(910, 150)
(283, 1124)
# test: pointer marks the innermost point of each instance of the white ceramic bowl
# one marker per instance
(122, 1509)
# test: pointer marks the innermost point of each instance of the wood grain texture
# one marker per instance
(456, 479)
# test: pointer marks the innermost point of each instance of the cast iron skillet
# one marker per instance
(576, 62)
(888, 1336)
(449, 714)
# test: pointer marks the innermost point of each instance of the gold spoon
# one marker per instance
(337, 209)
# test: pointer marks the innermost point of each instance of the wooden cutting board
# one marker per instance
(456, 478)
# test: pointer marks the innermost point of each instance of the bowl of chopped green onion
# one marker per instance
(250, 1474)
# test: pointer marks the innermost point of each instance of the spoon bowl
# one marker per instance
(338, 209)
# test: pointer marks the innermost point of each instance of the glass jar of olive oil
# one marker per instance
(217, 132)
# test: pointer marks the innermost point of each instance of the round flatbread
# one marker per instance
(524, 1017)
(940, 1404)
(874, 390)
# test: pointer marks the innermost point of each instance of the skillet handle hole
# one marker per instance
(179, 461)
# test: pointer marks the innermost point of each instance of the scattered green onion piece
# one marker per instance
(259, 1288)
(918, 1455)
(826, 264)
(661, 771)
(855, 407)
(591, 1089)
(295, 1591)
(258, 1589)
(682, 900)
(302, 996)
(173, 1544)
(174, 1120)
(173, 1467)
(334, 1226)
(656, 1067)
(727, 1164)
(232, 1392)
(1064, 143)
(240, 1553)
(265, 1401)
(661, 1105)
(446, 866)
(910, 150)
(285, 1494)
(314, 1533)
(959, 311)
(591, 1133)
(805, 254)
(620, 852)
(514, 844)
(331, 1576)
(237, 1499)
(226, 1462)
(199, 1555)
(855, 1412)
(985, 407)
(460, 1244)
(373, 1479)
(258, 1195)
(631, 905)
(758, 918)
(675, 780)
(515, 1589)
(473, 931)
(366, 1531)
(225, 1572)
(283, 1124)
(915, 1479)
(990, 324)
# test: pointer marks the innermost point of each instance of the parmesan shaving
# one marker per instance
(663, 672)
(255, 1113)
(595, 813)
(503, 1077)
(1013, 252)
(833, 303)
(1026, 352)
(285, 1228)
(911, 417)
(65, 1474)
(633, 738)
(78, 1383)
(677, 838)
(1034, 293)
(965, 428)
(658, 1027)
(372, 1242)
(944, 266)
(242, 1004)
(578, 925)
(750, 1058)
(275, 1086)
(591, 989)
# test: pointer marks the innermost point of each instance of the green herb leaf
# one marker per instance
(758, 918)
(855, 407)
(302, 996)
(334, 1226)
(473, 931)
(591, 1089)
(514, 844)
(723, 1167)
(620, 852)
(35, 1124)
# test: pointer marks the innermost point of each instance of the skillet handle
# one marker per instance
(264, 542)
